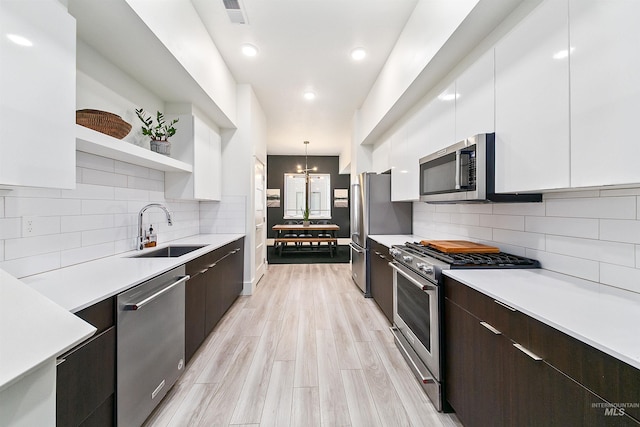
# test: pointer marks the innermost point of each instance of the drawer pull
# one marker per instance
(491, 328)
(527, 352)
(504, 305)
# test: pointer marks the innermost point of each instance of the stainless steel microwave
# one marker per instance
(465, 172)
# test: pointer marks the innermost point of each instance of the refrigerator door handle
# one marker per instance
(355, 248)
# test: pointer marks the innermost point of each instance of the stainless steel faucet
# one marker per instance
(141, 239)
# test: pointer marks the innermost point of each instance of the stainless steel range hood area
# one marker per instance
(465, 172)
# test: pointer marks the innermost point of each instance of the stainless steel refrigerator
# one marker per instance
(373, 212)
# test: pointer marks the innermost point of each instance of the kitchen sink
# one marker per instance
(168, 252)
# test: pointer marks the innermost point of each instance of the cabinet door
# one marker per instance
(404, 167)
(206, 162)
(37, 95)
(382, 279)
(532, 102)
(194, 313)
(605, 88)
(380, 156)
(474, 380)
(441, 120)
(85, 380)
(475, 99)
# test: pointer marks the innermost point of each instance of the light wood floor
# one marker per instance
(307, 349)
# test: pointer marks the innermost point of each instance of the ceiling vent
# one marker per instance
(235, 12)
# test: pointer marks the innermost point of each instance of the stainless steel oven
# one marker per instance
(416, 330)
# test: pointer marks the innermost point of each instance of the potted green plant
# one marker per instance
(159, 133)
(305, 216)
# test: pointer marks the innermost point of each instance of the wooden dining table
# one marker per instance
(282, 229)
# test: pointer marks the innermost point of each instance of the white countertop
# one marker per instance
(82, 285)
(33, 329)
(601, 316)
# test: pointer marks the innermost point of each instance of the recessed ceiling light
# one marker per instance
(309, 95)
(358, 53)
(249, 49)
(19, 40)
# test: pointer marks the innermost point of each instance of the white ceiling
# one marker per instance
(306, 44)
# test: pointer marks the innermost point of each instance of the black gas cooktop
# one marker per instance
(471, 260)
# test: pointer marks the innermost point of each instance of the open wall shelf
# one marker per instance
(93, 142)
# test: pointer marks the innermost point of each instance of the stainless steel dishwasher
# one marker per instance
(150, 344)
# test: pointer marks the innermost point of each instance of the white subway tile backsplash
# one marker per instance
(131, 170)
(10, 228)
(28, 206)
(508, 222)
(576, 227)
(96, 177)
(144, 183)
(86, 222)
(590, 234)
(30, 246)
(529, 209)
(101, 207)
(597, 250)
(572, 266)
(465, 219)
(95, 237)
(620, 231)
(89, 191)
(603, 207)
(620, 277)
(1, 207)
(90, 161)
(156, 175)
(519, 238)
(51, 193)
(131, 194)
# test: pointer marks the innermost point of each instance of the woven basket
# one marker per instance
(104, 122)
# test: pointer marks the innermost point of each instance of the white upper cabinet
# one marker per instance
(404, 167)
(532, 102)
(37, 94)
(441, 120)
(605, 91)
(475, 99)
(195, 143)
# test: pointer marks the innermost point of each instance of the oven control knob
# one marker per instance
(425, 267)
(407, 259)
(394, 252)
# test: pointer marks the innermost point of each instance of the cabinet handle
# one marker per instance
(527, 352)
(213, 265)
(491, 328)
(504, 305)
(60, 361)
(203, 271)
(376, 252)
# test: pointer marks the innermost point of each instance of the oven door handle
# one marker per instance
(427, 287)
(355, 248)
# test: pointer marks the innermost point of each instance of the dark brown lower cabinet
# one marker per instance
(381, 278)
(216, 281)
(86, 375)
(492, 379)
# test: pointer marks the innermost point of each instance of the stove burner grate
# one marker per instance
(500, 259)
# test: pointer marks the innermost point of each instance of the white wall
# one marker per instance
(593, 235)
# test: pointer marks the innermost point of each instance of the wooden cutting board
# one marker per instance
(459, 246)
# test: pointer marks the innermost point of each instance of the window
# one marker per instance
(295, 194)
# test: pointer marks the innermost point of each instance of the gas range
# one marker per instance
(429, 262)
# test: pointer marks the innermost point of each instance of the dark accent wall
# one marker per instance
(277, 166)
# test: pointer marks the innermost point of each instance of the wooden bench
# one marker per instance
(280, 242)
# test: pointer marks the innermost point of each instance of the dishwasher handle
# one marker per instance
(139, 305)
